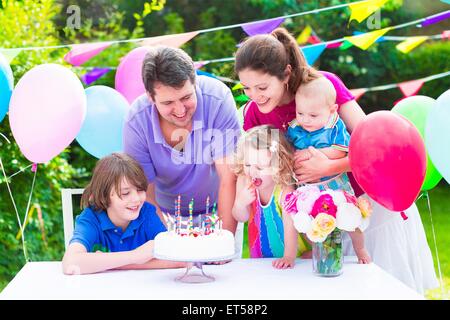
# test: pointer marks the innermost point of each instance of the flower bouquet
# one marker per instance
(322, 215)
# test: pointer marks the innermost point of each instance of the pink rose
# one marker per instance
(324, 204)
(350, 198)
(290, 203)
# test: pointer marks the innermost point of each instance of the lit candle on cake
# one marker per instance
(191, 224)
(178, 215)
(213, 217)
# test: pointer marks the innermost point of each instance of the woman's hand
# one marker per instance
(312, 169)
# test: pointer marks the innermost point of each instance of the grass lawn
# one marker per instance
(440, 213)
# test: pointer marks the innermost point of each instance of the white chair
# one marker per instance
(68, 198)
(71, 196)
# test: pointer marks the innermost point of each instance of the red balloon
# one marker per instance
(388, 159)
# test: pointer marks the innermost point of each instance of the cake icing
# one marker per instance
(183, 241)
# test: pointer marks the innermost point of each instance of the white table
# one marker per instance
(239, 279)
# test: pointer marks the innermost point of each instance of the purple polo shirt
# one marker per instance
(190, 173)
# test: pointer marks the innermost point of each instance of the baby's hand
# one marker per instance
(284, 263)
(363, 256)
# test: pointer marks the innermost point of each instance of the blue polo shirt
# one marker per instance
(190, 173)
(96, 232)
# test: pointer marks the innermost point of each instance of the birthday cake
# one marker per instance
(207, 241)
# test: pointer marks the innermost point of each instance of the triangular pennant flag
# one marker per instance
(365, 40)
(313, 39)
(81, 53)
(446, 1)
(94, 75)
(312, 53)
(345, 45)
(262, 27)
(436, 18)
(241, 98)
(409, 44)
(362, 10)
(303, 37)
(334, 45)
(200, 64)
(446, 34)
(171, 40)
(237, 86)
(358, 92)
(203, 73)
(410, 88)
(10, 54)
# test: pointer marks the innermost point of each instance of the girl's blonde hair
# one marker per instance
(108, 174)
(268, 138)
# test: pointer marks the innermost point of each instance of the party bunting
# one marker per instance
(10, 54)
(304, 35)
(334, 45)
(313, 52)
(262, 27)
(410, 88)
(242, 98)
(200, 64)
(81, 53)
(362, 10)
(436, 18)
(314, 39)
(345, 45)
(171, 40)
(365, 40)
(446, 1)
(358, 93)
(94, 75)
(411, 43)
(446, 34)
(237, 86)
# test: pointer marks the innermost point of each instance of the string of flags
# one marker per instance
(408, 88)
(360, 10)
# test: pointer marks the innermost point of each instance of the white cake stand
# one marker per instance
(195, 275)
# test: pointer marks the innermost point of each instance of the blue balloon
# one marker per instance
(437, 135)
(6, 86)
(101, 133)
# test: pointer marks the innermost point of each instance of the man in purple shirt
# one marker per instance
(181, 132)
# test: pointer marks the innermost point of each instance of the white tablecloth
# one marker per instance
(239, 279)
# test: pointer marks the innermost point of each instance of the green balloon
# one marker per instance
(416, 109)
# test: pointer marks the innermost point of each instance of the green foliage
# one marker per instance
(43, 23)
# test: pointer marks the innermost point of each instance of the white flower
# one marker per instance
(338, 197)
(364, 224)
(307, 195)
(348, 217)
(302, 222)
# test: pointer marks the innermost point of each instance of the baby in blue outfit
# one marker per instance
(317, 124)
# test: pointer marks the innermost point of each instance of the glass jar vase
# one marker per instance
(327, 256)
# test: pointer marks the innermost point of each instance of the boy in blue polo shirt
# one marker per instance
(117, 227)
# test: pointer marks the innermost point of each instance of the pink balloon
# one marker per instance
(129, 74)
(388, 159)
(47, 109)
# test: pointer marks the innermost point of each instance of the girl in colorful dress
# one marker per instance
(265, 175)
(271, 67)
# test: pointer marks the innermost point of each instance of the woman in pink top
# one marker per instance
(271, 68)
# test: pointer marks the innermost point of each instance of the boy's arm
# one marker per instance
(77, 260)
(154, 264)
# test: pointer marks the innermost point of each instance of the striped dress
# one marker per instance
(265, 229)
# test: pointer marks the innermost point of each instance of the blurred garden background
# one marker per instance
(37, 23)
